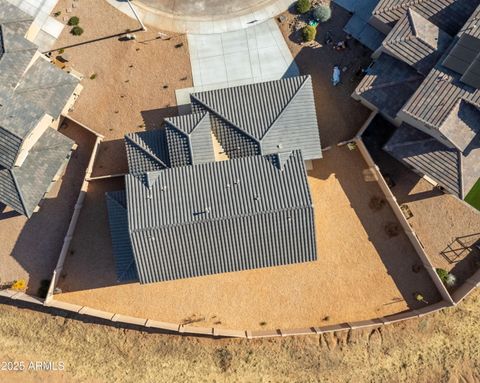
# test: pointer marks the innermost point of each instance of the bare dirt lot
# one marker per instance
(442, 348)
(128, 85)
(361, 272)
(30, 247)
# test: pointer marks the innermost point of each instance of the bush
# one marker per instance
(303, 6)
(74, 20)
(447, 278)
(309, 33)
(322, 13)
(76, 31)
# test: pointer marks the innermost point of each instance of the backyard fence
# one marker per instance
(116, 318)
(392, 201)
(74, 220)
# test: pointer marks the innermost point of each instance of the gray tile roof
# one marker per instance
(23, 187)
(47, 87)
(263, 118)
(189, 139)
(416, 41)
(427, 155)
(26, 95)
(10, 13)
(448, 15)
(462, 124)
(147, 151)
(219, 217)
(126, 268)
(385, 78)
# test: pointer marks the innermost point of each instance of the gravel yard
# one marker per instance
(128, 85)
(368, 272)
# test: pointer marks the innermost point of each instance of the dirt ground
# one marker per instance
(442, 348)
(30, 247)
(368, 273)
(448, 228)
(134, 81)
(339, 116)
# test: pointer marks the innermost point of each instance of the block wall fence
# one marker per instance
(448, 300)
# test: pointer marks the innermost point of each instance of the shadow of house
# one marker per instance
(38, 246)
(464, 253)
(90, 263)
(395, 252)
(7, 214)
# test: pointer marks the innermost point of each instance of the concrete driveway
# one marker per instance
(246, 56)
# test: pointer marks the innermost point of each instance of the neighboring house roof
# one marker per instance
(416, 41)
(387, 77)
(448, 15)
(464, 58)
(47, 86)
(263, 118)
(147, 151)
(221, 216)
(429, 156)
(442, 91)
(126, 268)
(10, 13)
(189, 139)
(23, 187)
(31, 91)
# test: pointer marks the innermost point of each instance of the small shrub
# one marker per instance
(93, 76)
(322, 13)
(61, 51)
(74, 20)
(303, 6)
(309, 33)
(447, 278)
(19, 285)
(224, 358)
(56, 14)
(392, 229)
(76, 31)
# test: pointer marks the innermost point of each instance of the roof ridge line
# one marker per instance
(389, 84)
(146, 229)
(410, 21)
(12, 133)
(225, 119)
(107, 195)
(203, 114)
(407, 4)
(460, 174)
(144, 150)
(285, 107)
(20, 193)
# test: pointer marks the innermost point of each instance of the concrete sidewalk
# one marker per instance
(202, 24)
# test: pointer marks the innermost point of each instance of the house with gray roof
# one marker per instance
(194, 207)
(34, 94)
(373, 20)
(425, 80)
